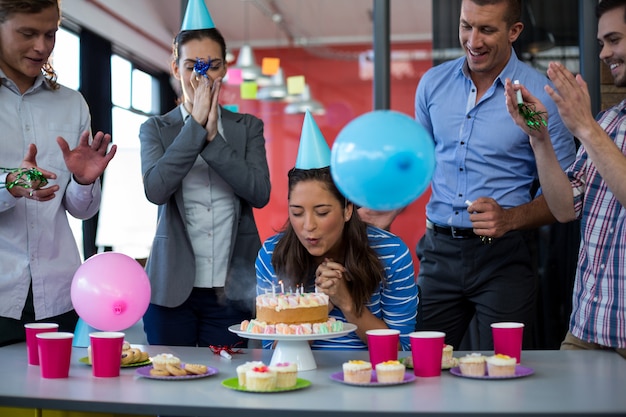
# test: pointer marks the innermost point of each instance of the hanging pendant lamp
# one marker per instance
(250, 71)
(304, 103)
(276, 90)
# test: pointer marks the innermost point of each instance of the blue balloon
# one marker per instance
(383, 160)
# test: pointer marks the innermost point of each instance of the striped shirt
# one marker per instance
(395, 301)
(599, 299)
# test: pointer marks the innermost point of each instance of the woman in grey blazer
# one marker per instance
(206, 168)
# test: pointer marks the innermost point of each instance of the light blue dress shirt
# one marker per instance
(480, 151)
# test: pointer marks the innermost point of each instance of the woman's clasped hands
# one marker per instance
(331, 279)
(206, 102)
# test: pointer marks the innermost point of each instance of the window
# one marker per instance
(66, 63)
(127, 220)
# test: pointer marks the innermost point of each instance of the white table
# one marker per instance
(564, 383)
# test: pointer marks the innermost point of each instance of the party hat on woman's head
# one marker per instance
(197, 16)
(313, 151)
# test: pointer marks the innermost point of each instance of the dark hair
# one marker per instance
(514, 9)
(608, 5)
(11, 7)
(364, 271)
(188, 35)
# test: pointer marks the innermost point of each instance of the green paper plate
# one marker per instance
(445, 366)
(233, 383)
(85, 360)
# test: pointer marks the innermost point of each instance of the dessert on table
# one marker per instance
(390, 372)
(292, 314)
(500, 365)
(472, 364)
(256, 376)
(166, 364)
(357, 372)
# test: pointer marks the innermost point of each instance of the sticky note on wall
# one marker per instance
(295, 84)
(248, 90)
(269, 66)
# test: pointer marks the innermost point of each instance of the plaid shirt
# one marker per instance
(599, 302)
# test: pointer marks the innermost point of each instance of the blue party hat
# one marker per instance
(81, 334)
(313, 151)
(197, 16)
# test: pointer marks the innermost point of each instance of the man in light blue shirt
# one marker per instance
(474, 258)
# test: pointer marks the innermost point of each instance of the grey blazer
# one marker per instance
(169, 149)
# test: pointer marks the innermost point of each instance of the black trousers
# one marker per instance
(465, 278)
(12, 331)
(202, 320)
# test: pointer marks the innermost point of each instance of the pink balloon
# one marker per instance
(110, 291)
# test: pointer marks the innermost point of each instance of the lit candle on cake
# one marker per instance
(282, 286)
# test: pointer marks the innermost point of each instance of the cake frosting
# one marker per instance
(292, 308)
(390, 371)
(472, 364)
(500, 365)
(242, 369)
(286, 374)
(260, 378)
(357, 371)
(260, 327)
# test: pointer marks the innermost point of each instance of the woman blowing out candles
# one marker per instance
(366, 272)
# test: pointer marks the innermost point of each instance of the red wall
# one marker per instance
(337, 85)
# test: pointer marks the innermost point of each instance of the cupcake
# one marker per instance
(357, 372)
(446, 356)
(500, 365)
(286, 374)
(242, 369)
(161, 361)
(390, 371)
(472, 365)
(260, 378)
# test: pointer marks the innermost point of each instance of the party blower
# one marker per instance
(110, 292)
(383, 160)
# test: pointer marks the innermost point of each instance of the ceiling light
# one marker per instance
(276, 89)
(250, 71)
(304, 103)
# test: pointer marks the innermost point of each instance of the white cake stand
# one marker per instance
(293, 347)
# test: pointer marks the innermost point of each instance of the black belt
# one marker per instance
(455, 232)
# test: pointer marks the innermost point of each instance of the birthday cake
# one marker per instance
(292, 314)
(292, 308)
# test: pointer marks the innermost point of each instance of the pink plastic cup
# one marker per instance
(55, 351)
(383, 345)
(427, 350)
(106, 353)
(507, 339)
(32, 329)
